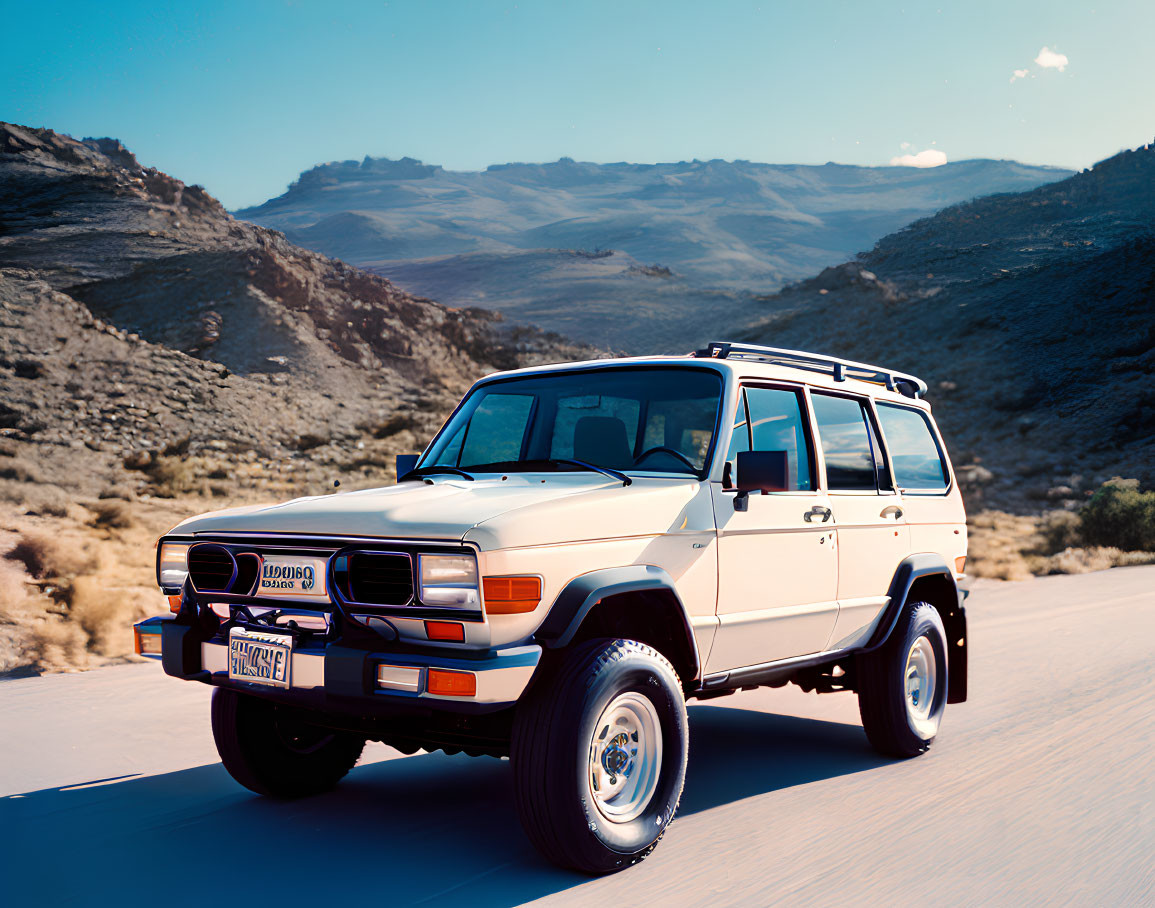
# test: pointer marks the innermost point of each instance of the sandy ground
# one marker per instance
(1039, 790)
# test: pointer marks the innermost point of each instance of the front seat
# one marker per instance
(602, 440)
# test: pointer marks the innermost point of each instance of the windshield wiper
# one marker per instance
(421, 472)
(613, 474)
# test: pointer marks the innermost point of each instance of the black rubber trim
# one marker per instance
(911, 569)
(582, 593)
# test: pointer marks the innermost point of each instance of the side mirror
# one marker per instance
(760, 471)
(405, 463)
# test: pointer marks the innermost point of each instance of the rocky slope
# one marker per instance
(1031, 315)
(138, 315)
(634, 256)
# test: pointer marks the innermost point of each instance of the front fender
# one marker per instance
(582, 593)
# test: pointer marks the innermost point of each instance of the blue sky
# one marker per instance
(241, 96)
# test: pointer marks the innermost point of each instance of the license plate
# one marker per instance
(296, 577)
(260, 658)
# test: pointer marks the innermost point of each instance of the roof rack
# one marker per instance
(841, 369)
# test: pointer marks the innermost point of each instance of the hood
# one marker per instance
(523, 509)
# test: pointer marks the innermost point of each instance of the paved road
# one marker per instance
(1039, 790)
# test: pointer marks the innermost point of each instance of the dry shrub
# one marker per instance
(998, 543)
(19, 470)
(1060, 530)
(32, 632)
(1094, 558)
(107, 612)
(37, 499)
(46, 556)
(172, 476)
(123, 493)
(111, 514)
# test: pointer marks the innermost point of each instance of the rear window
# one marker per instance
(853, 459)
(914, 452)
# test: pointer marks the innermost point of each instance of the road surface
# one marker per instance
(1038, 791)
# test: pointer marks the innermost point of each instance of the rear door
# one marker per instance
(932, 504)
(777, 567)
(873, 537)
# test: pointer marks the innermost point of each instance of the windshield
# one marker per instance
(659, 420)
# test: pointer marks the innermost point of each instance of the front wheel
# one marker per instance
(272, 750)
(902, 686)
(599, 755)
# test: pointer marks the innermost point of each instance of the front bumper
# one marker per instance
(347, 679)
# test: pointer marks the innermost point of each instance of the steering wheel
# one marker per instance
(662, 449)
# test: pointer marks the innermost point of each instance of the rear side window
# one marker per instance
(918, 462)
(853, 456)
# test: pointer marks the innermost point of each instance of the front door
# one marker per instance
(777, 564)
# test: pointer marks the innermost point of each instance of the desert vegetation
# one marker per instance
(1114, 528)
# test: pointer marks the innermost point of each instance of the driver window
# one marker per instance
(776, 424)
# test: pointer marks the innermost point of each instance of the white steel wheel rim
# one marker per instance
(625, 757)
(922, 686)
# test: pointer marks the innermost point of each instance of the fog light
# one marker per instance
(452, 684)
(399, 677)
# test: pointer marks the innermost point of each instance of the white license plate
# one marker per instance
(260, 658)
(296, 577)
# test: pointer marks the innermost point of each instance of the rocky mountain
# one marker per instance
(139, 321)
(1031, 315)
(635, 256)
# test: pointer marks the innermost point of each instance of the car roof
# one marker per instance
(736, 369)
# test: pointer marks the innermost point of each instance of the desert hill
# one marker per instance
(139, 313)
(1031, 315)
(639, 257)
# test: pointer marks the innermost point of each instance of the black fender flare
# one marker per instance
(580, 595)
(912, 568)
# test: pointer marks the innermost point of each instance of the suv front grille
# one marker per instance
(211, 568)
(380, 578)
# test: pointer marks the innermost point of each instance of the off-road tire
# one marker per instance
(550, 753)
(269, 750)
(882, 695)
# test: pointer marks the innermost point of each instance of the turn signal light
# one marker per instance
(146, 644)
(445, 630)
(511, 595)
(960, 564)
(451, 684)
(174, 603)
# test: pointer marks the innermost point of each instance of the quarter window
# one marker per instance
(918, 462)
(849, 445)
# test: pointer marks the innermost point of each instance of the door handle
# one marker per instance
(892, 511)
(817, 511)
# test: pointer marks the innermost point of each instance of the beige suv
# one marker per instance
(580, 550)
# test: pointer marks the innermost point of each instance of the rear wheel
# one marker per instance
(599, 755)
(272, 750)
(902, 686)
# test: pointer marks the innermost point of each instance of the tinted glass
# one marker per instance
(651, 420)
(913, 450)
(776, 424)
(842, 428)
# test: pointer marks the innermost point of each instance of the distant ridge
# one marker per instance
(519, 236)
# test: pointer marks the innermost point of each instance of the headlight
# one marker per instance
(173, 564)
(449, 581)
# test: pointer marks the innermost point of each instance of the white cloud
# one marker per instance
(905, 146)
(932, 157)
(1019, 74)
(1048, 59)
